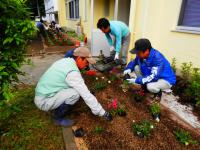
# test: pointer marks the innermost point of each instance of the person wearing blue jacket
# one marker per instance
(121, 33)
(152, 69)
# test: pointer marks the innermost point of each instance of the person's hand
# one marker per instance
(132, 80)
(107, 116)
(127, 71)
(116, 56)
(112, 48)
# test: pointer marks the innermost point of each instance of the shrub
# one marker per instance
(193, 90)
(173, 64)
(184, 137)
(186, 69)
(16, 29)
(143, 128)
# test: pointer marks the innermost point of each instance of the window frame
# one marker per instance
(67, 5)
(182, 28)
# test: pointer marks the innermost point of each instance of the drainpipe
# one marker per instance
(116, 9)
(92, 21)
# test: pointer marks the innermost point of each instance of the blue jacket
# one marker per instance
(155, 67)
(118, 30)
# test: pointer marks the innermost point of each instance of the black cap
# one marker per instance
(141, 45)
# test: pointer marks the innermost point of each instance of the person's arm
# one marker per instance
(75, 80)
(69, 53)
(109, 39)
(155, 72)
(118, 38)
(131, 65)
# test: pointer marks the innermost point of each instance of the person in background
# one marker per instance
(61, 86)
(121, 33)
(40, 27)
(151, 68)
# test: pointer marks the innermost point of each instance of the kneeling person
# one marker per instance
(152, 69)
(61, 86)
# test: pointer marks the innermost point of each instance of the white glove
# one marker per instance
(116, 56)
(112, 48)
(128, 71)
(132, 80)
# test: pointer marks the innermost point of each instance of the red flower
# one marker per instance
(91, 73)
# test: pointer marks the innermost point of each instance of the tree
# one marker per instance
(15, 30)
(36, 7)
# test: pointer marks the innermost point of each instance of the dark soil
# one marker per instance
(118, 133)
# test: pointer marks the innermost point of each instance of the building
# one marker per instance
(173, 26)
(51, 10)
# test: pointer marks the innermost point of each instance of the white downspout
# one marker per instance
(116, 9)
(92, 22)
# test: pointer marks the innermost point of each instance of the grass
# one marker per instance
(155, 108)
(24, 127)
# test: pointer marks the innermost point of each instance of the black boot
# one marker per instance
(157, 96)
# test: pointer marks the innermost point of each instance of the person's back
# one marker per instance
(119, 26)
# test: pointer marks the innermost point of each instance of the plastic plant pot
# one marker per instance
(156, 117)
(79, 132)
(126, 76)
(140, 134)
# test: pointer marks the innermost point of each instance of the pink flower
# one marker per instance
(114, 103)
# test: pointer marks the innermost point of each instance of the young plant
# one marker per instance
(99, 86)
(98, 129)
(139, 96)
(155, 111)
(115, 108)
(143, 128)
(184, 137)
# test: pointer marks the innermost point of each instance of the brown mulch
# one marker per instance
(118, 133)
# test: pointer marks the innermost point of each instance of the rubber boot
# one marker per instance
(59, 114)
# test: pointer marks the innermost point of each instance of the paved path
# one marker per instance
(40, 65)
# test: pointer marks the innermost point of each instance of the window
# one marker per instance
(72, 9)
(190, 14)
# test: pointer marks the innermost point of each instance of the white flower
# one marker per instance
(109, 81)
(97, 78)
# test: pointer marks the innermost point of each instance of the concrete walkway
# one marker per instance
(40, 65)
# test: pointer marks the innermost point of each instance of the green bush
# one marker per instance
(193, 90)
(173, 64)
(99, 86)
(16, 29)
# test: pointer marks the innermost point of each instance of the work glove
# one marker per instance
(107, 116)
(127, 71)
(116, 56)
(112, 48)
(132, 80)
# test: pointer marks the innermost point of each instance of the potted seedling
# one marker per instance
(155, 111)
(98, 129)
(142, 129)
(184, 137)
(139, 95)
